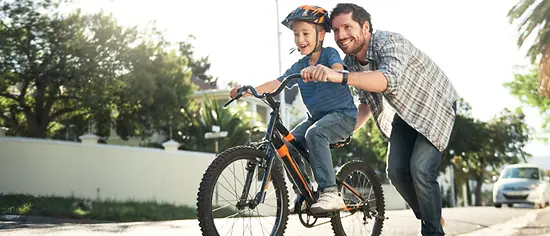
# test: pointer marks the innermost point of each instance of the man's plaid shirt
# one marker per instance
(418, 90)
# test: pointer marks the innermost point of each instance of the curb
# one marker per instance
(509, 227)
(47, 220)
(9, 217)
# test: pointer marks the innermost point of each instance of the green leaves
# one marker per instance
(525, 88)
(533, 15)
(482, 144)
(233, 120)
(69, 69)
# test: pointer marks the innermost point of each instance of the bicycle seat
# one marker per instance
(341, 143)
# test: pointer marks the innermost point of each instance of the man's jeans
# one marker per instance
(316, 136)
(412, 167)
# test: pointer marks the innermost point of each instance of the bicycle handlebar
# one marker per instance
(245, 88)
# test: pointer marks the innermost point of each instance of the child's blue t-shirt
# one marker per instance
(322, 98)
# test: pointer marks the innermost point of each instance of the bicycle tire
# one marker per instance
(350, 167)
(210, 177)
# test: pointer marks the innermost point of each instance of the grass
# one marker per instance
(74, 208)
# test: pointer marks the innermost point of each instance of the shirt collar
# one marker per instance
(370, 52)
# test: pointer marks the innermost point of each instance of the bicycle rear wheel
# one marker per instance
(218, 209)
(362, 178)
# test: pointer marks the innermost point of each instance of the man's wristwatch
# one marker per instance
(345, 78)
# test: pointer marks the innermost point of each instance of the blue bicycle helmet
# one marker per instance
(309, 13)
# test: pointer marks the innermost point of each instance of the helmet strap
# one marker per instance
(317, 46)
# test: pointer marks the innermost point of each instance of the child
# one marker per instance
(332, 113)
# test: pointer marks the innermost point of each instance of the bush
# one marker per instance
(75, 208)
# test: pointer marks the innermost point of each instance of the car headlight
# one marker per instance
(533, 186)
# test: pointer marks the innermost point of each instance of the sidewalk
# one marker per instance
(539, 227)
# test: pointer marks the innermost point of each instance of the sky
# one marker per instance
(473, 42)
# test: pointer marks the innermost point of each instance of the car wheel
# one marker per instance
(498, 205)
(510, 205)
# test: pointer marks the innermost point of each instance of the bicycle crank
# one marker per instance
(309, 221)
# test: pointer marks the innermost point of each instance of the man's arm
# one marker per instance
(372, 81)
(394, 56)
(363, 115)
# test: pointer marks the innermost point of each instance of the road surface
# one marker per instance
(470, 221)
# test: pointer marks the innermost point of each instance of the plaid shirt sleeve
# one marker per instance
(394, 57)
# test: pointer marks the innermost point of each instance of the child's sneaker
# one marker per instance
(328, 202)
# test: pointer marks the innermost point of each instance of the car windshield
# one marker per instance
(524, 173)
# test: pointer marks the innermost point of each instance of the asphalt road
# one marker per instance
(400, 223)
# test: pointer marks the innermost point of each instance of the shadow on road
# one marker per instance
(98, 226)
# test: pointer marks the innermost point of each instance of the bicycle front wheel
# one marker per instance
(218, 209)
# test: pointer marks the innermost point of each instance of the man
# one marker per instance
(410, 98)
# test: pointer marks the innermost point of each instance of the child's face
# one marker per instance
(304, 36)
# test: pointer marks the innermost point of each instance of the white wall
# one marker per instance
(46, 167)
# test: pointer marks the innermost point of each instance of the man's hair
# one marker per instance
(358, 14)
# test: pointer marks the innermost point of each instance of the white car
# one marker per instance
(522, 183)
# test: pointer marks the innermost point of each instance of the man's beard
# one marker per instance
(358, 47)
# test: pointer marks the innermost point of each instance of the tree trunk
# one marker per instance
(35, 130)
(36, 126)
(468, 191)
(478, 193)
(544, 85)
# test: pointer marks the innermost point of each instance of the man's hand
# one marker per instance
(321, 73)
(234, 91)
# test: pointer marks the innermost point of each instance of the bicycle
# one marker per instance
(260, 156)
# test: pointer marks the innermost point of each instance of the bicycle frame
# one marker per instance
(283, 142)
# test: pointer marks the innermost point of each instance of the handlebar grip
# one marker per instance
(239, 95)
(229, 102)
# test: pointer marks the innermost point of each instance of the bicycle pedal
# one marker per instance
(324, 214)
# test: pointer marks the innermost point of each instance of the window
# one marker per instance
(521, 172)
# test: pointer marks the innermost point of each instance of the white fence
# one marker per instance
(102, 171)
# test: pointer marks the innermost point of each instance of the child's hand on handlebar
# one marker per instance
(234, 91)
(320, 73)
(306, 73)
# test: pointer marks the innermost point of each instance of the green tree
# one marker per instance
(52, 66)
(58, 70)
(525, 88)
(479, 148)
(154, 94)
(535, 19)
(486, 146)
